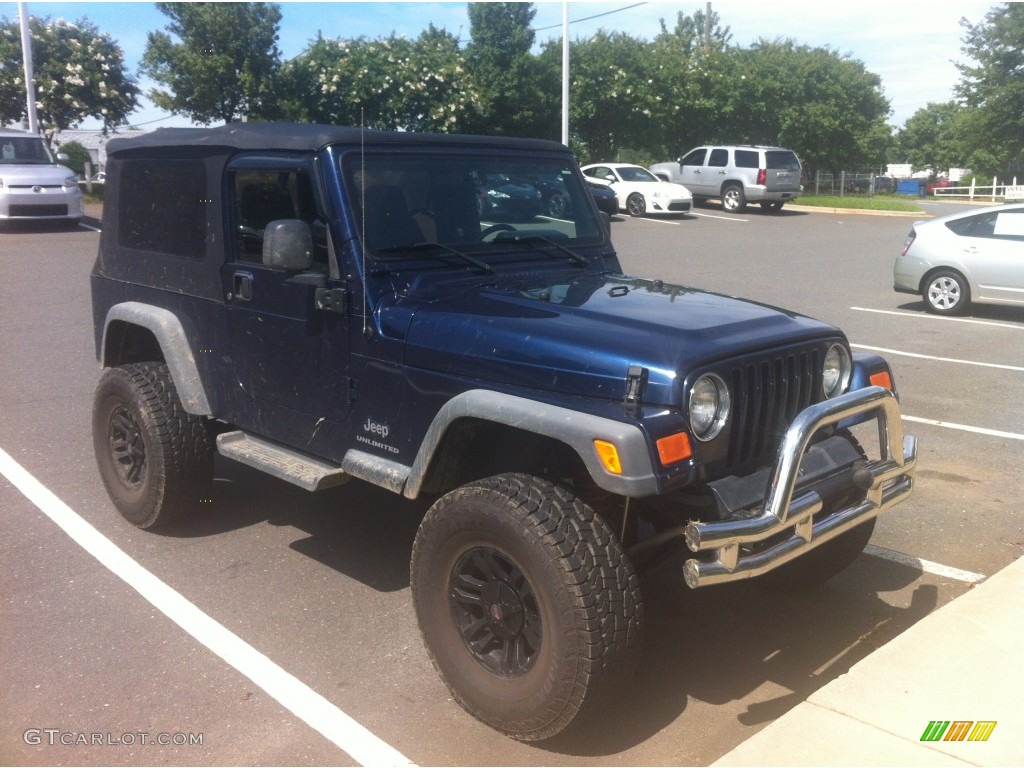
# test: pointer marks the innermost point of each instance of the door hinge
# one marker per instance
(332, 300)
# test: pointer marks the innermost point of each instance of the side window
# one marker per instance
(746, 158)
(982, 225)
(1009, 225)
(696, 157)
(719, 158)
(263, 196)
(173, 218)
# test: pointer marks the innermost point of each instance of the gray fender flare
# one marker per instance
(575, 429)
(170, 335)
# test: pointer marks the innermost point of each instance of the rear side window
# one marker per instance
(746, 158)
(719, 158)
(162, 206)
(1007, 225)
(782, 160)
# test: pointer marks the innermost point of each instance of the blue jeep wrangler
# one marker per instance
(326, 303)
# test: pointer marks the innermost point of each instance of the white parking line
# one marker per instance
(964, 427)
(923, 316)
(936, 569)
(940, 359)
(289, 691)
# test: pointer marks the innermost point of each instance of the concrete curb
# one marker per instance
(960, 663)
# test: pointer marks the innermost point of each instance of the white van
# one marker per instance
(33, 186)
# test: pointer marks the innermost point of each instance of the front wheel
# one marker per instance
(946, 293)
(526, 602)
(636, 205)
(155, 459)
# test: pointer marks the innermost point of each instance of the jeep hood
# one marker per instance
(580, 335)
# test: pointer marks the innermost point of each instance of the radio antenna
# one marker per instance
(362, 194)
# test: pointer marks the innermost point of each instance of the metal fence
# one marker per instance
(862, 183)
(867, 184)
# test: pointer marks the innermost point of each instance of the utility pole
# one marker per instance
(565, 72)
(26, 54)
(707, 30)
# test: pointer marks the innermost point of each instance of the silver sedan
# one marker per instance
(977, 256)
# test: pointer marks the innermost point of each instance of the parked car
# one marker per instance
(737, 175)
(506, 199)
(639, 191)
(605, 197)
(33, 185)
(977, 256)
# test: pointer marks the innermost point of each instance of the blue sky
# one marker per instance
(910, 44)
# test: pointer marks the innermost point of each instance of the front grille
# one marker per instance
(679, 207)
(39, 210)
(767, 395)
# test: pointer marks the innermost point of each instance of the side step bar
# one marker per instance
(279, 461)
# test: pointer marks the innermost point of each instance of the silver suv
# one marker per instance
(32, 183)
(737, 175)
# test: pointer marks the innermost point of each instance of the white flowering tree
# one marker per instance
(390, 83)
(78, 73)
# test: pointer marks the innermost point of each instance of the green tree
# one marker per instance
(934, 137)
(515, 92)
(692, 70)
(77, 154)
(993, 87)
(390, 84)
(827, 107)
(223, 65)
(78, 72)
(611, 96)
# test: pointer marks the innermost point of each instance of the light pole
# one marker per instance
(26, 54)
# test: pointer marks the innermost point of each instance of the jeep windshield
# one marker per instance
(484, 203)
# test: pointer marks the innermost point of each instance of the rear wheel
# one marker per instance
(733, 198)
(527, 604)
(946, 293)
(155, 459)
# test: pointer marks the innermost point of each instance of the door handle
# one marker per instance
(241, 286)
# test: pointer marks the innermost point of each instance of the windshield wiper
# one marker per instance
(420, 247)
(576, 258)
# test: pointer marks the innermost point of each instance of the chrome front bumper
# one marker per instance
(892, 481)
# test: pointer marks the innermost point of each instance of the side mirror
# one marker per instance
(63, 157)
(288, 245)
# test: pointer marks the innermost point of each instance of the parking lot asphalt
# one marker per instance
(318, 586)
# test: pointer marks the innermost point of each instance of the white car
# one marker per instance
(971, 257)
(639, 191)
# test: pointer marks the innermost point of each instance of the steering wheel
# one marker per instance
(496, 228)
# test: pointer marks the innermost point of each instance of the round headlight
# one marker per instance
(835, 373)
(709, 406)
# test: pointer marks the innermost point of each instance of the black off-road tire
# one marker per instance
(527, 604)
(155, 459)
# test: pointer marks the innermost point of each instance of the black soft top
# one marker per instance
(305, 137)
